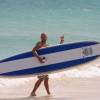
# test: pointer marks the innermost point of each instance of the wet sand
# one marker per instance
(61, 89)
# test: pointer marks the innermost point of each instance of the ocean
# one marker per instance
(22, 21)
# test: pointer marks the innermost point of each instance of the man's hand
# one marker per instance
(40, 59)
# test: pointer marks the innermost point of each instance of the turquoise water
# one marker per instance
(22, 21)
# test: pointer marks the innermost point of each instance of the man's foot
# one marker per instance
(33, 94)
(49, 93)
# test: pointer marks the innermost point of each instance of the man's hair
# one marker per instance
(43, 33)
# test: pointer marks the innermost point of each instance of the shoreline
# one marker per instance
(75, 88)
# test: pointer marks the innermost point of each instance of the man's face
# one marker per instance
(43, 37)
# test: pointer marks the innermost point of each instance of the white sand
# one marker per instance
(61, 89)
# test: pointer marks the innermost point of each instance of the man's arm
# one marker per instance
(34, 51)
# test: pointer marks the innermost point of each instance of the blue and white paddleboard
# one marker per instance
(58, 57)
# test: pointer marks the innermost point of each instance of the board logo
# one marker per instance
(87, 51)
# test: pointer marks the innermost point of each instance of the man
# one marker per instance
(41, 78)
(62, 39)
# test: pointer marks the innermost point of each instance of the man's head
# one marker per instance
(43, 36)
(62, 39)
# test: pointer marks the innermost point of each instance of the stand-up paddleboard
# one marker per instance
(57, 58)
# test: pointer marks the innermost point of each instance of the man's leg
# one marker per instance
(46, 84)
(37, 84)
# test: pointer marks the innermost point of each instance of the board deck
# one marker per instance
(58, 57)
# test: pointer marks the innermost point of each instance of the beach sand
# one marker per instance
(61, 89)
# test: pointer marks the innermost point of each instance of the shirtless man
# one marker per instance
(62, 39)
(41, 78)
